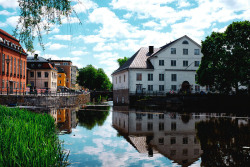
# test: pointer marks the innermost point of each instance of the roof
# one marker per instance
(170, 43)
(8, 35)
(138, 61)
(38, 60)
(61, 61)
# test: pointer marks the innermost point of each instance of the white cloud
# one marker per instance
(55, 46)
(12, 21)
(6, 13)
(183, 3)
(83, 6)
(3, 24)
(61, 37)
(9, 3)
(91, 38)
(78, 53)
(128, 15)
(219, 30)
(70, 20)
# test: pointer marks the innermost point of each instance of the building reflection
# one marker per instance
(170, 134)
(65, 119)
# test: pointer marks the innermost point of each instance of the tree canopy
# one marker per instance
(226, 61)
(121, 61)
(37, 16)
(93, 78)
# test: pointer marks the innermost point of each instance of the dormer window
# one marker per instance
(185, 42)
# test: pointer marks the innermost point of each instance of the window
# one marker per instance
(161, 141)
(173, 50)
(196, 63)
(124, 78)
(185, 63)
(31, 74)
(46, 74)
(161, 87)
(185, 51)
(195, 140)
(60, 82)
(21, 86)
(11, 61)
(120, 79)
(116, 80)
(197, 88)
(161, 77)
(24, 68)
(138, 76)
(161, 126)
(185, 140)
(21, 69)
(185, 152)
(173, 77)
(172, 152)
(17, 67)
(173, 126)
(161, 62)
(185, 42)
(173, 87)
(195, 77)
(150, 116)
(45, 84)
(196, 151)
(32, 83)
(3, 63)
(39, 74)
(197, 52)
(161, 116)
(2, 83)
(173, 62)
(172, 140)
(65, 63)
(138, 126)
(150, 77)
(14, 66)
(150, 126)
(150, 87)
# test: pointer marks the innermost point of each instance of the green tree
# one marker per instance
(37, 16)
(226, 59)
(93, 78)
(121, 61)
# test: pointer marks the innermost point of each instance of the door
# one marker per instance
(138, 88)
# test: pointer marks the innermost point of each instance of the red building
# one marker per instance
(13, 60)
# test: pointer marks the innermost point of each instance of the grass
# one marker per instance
(29, 139)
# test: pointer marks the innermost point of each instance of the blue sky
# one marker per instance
(116, 28)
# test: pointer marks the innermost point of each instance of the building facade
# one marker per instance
(61, 78)
(42, 75)
(170, 68)
(13, 60)
(74, 74)
(66, 66)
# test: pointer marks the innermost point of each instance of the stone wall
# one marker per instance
(45, 101)
(121, 97)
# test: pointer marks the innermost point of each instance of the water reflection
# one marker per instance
(91, 117)
(184, 138)
(65, 118)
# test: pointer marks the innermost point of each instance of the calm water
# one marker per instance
(119, 136)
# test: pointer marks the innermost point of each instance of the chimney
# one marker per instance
(151, 49)
(35, 56)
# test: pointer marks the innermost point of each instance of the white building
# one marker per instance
(169, 68)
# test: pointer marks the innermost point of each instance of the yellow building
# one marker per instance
(61, 77)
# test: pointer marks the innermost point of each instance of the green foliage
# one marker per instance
(37, 16)
(121, 61)
(29, 139)
(92, 118)
(93, 78)
(226, 59)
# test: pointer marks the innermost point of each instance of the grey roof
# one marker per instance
(39, 59)
(138, 61)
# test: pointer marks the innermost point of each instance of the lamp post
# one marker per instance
(7, 61)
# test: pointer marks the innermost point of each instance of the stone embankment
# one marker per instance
(45, 101)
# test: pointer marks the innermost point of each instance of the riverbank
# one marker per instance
(29, 139)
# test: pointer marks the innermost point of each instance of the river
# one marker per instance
(124, 136)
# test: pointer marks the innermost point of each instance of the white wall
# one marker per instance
(120, 83)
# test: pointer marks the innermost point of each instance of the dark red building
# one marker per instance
(13, 60)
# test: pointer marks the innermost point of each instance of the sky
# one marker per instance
(113, 29)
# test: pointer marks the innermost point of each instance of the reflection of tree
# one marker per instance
(223, 141)
(90, 118)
